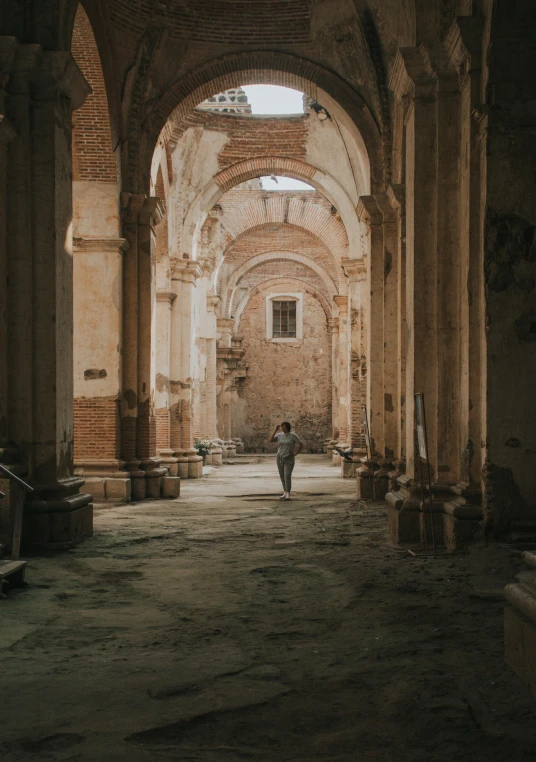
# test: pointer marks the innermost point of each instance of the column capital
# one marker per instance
(413, 72)
(213, 302)
(464, 42)
(185, 270)
(397, 198)
(58, 72)
(389, 212)
(166, 296)
(342, 304)
(152, 211)
(368, 211)
(100, 245)
(355, 269)
(131, 205)
(225, 325)
(333, 325)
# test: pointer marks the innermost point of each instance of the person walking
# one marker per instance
(286, 451)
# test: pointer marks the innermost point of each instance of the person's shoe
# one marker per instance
(284, 496)
(287, 496)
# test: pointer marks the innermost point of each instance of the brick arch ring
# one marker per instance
(270, 165)
(271, 283)
(270, 256)
(305, 215)
(274, 68)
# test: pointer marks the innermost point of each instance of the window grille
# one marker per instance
(284, 320)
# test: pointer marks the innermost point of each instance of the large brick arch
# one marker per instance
(259, 67)
(93, 156)
(247, 170)
(294, 211)
(271, 256)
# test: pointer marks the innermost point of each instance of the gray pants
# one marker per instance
(286, 468)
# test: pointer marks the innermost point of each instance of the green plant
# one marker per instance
(202, 446)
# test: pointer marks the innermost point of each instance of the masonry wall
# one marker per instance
(284, 381)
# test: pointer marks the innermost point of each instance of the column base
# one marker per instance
(239, 445)
(217, 458)
(455, 516)
(349, 468)
(58, 516)
(371, 480)
(520, 624)
(229, 449)
(170, 462)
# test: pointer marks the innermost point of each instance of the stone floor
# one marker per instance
(229, 626)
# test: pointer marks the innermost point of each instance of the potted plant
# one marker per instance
(203, 448)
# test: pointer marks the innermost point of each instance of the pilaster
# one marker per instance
(184, 275)
(370, 213)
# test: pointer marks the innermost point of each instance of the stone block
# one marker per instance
(348, 468)
(217, 459)
(381, 486)
(139, 487)
(208, 459)
(118, 490)
(520, 646)
(154, 487)
(428, 522)
(171, 487)
(195, 469)
(96, 487)
(365, 484)
(404, 526)
(182, 468)
(457, 533)
(59, 529)
(336, 458)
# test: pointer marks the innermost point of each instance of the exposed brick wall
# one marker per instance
(162, 428)
(308, 213)
(93, 157)
(222, 21)
(284, 381)
(285, 239)
(96, 429)
(250, 136)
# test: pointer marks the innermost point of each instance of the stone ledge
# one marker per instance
(520, 646)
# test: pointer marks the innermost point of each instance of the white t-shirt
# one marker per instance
(286, 444)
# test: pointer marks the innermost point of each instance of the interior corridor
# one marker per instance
(231, 626)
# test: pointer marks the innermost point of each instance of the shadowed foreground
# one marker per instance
(229, 626)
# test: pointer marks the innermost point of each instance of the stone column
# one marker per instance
(59, 513)
(164, 302)
(414, 81)
(131, 206)
(184, 275)
(211, 413)
(369, 212)
(356, 271)
(344, 362)
(18, 215)
(7, 133)
(397, 198)
(333, 328)
(391, 401)
(97, 340)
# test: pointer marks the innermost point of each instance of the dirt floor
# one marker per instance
(229, 626)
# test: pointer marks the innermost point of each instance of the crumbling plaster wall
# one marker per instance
(510, 270)
(285, 381)
(204, 144)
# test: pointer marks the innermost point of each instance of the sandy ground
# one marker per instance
(228, 626)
